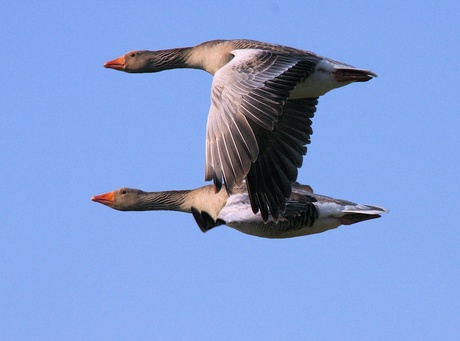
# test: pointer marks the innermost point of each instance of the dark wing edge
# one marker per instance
(205, 221)
(273, 174)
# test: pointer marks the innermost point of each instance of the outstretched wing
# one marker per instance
(254, 131)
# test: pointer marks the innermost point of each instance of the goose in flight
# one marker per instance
(263, 98)
(306, 213)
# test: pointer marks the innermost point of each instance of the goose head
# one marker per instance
(123, 199)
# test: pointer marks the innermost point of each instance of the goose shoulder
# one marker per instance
(210, 56)
(206, 199)
(215, 54)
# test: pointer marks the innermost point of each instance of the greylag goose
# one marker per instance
(305, 213)
(263, 98)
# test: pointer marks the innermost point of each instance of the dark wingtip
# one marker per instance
(353, 75)
(205, 221)
(354, 218)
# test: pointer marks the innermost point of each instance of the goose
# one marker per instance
(263, 99)
(306, 213)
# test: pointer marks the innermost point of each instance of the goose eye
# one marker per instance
(123, 191)
(132, 54)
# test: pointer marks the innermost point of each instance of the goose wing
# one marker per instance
(254, 130)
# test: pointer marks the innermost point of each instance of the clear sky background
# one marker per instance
(71, 269)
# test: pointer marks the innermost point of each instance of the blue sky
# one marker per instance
(72, 269)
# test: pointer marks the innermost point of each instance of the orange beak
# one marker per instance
(117, 64)
(105, 199)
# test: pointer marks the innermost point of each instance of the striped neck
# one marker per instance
(167, 200)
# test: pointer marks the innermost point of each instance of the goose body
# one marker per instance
(306, 213)
(263, 98)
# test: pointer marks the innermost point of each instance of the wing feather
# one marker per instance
(254, 131)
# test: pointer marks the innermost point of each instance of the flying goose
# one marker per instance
(306, 213)
(263, 98)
